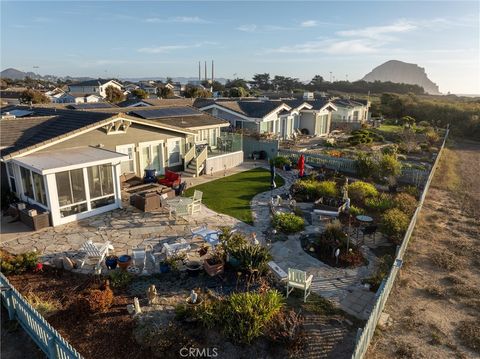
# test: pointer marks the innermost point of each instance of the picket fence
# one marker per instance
(365, 335)
(42, 333)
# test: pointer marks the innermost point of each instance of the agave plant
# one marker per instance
(252, 257)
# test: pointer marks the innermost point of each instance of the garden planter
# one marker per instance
(164, 267)
(124, 261)
(111, 262)
(193, 269)
(213, 269)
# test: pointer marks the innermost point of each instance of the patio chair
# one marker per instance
(298, 279)
(181, 210)
(175, 248)
(96, 250)
(370, 230)
(210, 236)
(167, 207)
(197, 201)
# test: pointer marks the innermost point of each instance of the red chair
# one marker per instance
(171, 179)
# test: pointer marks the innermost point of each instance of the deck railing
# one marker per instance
(201, 158)
(42, 333)
(364, 336)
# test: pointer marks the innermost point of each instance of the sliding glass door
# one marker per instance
(151, 156)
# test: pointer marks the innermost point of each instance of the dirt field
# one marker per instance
(434, 307)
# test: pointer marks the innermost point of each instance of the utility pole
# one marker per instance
(330, 76)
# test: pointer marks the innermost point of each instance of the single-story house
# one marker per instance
(356, 111)
(69, 162)
(81, 97)
(94, 87)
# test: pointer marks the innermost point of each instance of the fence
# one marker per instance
(347, 165)
(251, 144)
(42, 333)
(365, 335)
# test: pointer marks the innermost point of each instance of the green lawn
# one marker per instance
(232, 195)
(390, 128)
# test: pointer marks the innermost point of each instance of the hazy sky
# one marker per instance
(294, 38)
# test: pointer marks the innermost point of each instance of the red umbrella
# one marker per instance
(301, 165)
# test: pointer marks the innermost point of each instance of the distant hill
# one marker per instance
(15, 74)
(402, 72)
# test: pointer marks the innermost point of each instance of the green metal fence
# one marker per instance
(365, 335)
(42, 333)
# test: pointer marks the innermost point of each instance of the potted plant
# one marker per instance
(124, 261)
(111, 261)
(193, 268)
(215, 264)
(202, 251)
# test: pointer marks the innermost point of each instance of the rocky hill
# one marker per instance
(15, 74)
(402, 72)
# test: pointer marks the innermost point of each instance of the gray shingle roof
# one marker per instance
(249, 108)
(96, 82)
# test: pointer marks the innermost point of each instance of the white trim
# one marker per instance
(161, 159)
(127, 146)
(217, 106)
(177, 139)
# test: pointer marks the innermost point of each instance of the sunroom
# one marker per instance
(71, 184)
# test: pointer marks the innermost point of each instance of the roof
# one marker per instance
(83, 94)
(347, 103)
(64, 159)
(92, 105)
(318, 103)
(254, 108)
(163, 102)
(96, 82)
(48, 124)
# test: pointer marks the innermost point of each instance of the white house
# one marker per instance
(351, 111)
(96, 87)
(57, 95)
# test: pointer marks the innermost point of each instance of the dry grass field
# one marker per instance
(434, 308)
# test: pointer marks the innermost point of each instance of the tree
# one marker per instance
(165, 92)
(237, 92)
(283, 83)
(33, 96)
(169, 80)
(114, 94)
(139, 93)
(389, 166)
(261, 81)
(316, 83)
(196, 92)
(408, 121)
(236, 83)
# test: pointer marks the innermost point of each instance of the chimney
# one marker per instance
(205, 70)
(199, 71)
(212, 72)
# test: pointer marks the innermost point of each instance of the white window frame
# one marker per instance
(10, 166)
(150, 144)
(127, 146)
(91, 199)
(86, 188)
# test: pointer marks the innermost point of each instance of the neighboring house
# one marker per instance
(11, 97)
(58, 95)
(69, 162)
(150, 102)
(280, 117)
(85, 97)
(352, 111)
(97, 87)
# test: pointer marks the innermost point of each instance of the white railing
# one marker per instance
(365, 335)
(201, 158)
(189, 155)
(42, 333)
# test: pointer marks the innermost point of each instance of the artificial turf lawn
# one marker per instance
(232, 195)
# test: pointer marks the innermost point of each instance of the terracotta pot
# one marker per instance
(213, 269)
(124, 261)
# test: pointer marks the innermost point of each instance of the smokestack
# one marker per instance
(212, 72)
(206, 71)
(199, 71)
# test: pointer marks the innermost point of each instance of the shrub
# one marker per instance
(252, 257)
(390, 149)
(334, 231)
(356, 211)
(359, 191)
(446, 260)
(310, 189)
(244, 316)
(394, 224)
(120, 278)
(364, 136)
(17, 264)
(45, 307)
(365, 165)
(406, 203)
(469, 334)
(380, 203)
(432, 137)
(99, 300)
(231, 241)
(286, 327)
(411, 190)
(281, 161)
(288, 223)
(389, 165)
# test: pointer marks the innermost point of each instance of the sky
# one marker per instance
(291, 38)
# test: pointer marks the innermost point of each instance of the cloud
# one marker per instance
(42, 19)
(331, 46)
(247, 28)
(379, 32)
(308, 23)
(170, 48)
(178, 19)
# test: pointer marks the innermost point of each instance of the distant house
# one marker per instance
(280, 117)
(351, 111)
(85, 97)
(57, 95)
(150, 102)
(96, 87)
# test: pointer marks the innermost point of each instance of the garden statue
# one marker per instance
(193, 297)
(136, 306)
(345, 190)
(337, 253)
(254, 239)
(151, 294)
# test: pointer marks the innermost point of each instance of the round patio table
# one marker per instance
(365, 219)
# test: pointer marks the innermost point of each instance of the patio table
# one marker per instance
(363, 220)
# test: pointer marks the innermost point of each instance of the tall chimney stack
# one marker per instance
(212, 72)
(199, 71)
(206, 71)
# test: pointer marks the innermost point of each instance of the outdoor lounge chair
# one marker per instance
(210, 236)
(96, 250)
(197, 201)
(175, 248)
(298, 279)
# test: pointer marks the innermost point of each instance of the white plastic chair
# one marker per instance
(197, 201)
(175, 248)
(298, 279)
(96, 250)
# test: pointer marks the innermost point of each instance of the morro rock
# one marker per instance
(402, 72)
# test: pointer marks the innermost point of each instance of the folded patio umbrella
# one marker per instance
(272, 176)
(301, 166)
